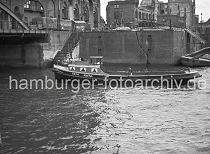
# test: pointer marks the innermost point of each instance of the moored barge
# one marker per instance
(95, 70)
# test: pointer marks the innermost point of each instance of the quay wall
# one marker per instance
(56, 42)
(155, 47)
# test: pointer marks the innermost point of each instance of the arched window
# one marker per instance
(4, 22)
(76, 12)
(86, 13)
(65, 11)
(17, 12)
(91, 5)
(15, 25)
(140, 15)
(3, 15)
(51, 9)
(16, 9)
(95, 17)
(136, 14)
(71, 10)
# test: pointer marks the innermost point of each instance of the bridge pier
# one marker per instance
(23, 55)
(24, 47)
(21, 50)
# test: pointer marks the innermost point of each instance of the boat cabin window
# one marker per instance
(96, 60)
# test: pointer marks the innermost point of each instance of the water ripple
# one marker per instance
(104, 121)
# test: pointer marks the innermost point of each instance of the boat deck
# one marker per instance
(144, 70)
(126, 70)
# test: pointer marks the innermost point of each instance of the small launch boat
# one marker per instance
(199, 58)
(95, 70)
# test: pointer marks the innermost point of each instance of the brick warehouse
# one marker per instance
(52, 11)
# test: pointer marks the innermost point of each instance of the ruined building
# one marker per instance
(181, 13)
(176, 13)
(130, 13)
(183, 8)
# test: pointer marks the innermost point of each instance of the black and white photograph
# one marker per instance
(105, 76)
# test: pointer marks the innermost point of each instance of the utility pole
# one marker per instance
(59, 15)
(10, 4)
(201, 22)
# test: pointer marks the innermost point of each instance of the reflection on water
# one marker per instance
(103, 121)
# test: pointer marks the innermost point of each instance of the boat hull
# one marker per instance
(192, 62)
(146, 78)
(196, 59)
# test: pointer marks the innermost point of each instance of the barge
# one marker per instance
(94, 70)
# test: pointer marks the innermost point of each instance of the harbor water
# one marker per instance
(98, 121)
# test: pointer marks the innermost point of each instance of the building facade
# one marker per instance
(183, 8)
(128, 13)
(204, 29)
(54, 12)
(151, 5)
(179, 13)
(175, 13)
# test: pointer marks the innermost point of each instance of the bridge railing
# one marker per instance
(21, 31)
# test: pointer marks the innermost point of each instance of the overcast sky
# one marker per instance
(202, 6)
